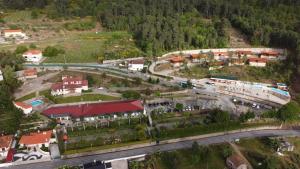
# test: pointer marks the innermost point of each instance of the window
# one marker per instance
(3, 149)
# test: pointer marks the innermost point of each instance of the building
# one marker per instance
(14, 33)
(33, 56)
(96, 111)
(258, 62)
(177, 61)
(37, 139)
(195, 58)
(243, 53)
(216, 65)
(136, 65)
(5, 143)
(221, 55)
(270, 55)
(1, 76)
(239, 62)
(236, 162)
(69, 85)
(26, 108)
(285, 146)
(30, 73)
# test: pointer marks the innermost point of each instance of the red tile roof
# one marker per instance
(259, 60)
(236, 160)
(243, 52)
(94, 109)
(36, 138)
(5, 141)
(196, 56)
(220, 53)
(30, 72)
(69, 82)
(12, 30)
(32, 52)
(140, 61)
(23, 105)
(270, 53)
(177, 59)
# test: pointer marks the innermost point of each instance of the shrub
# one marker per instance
(21, 49)
(131, 94)
(80, 26)
(51, 51)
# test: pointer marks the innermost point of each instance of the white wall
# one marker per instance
(33, 58)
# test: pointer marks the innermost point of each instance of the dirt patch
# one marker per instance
(237, 39)
(162, 67)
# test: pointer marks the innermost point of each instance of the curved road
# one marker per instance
(155, 148)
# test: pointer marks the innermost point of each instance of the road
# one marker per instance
(155, 148)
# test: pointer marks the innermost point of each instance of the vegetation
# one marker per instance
(131, 94)
(51, 51)
(84, 97)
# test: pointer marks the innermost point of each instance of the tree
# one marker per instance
(10, 79)
(219, 116)
(271, 162)
(32, 46)
(289, 111)
(179, 106)
(51, 51)
(21, 49)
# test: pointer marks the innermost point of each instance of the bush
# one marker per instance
(21, 49)
(52, 51)
(130, 94)
(289, 111)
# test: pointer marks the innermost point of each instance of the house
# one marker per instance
(270, 55)
(5, 143)
(96, 111)
(26, 108)
(33, 56)
(243, 53)
(37, 139)
(216, 65)
(238, 62)
(220, 55)
(282, 86)
(68, 85)
(257, 62)
(30, 73)
(13, 33)
(136, 65)
(177, 61)
(1, 76)
(236, 162)
(285, 146)
(195, 58)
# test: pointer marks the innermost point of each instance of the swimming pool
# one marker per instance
(36, 103)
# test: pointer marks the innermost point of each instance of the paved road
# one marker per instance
(152, 149)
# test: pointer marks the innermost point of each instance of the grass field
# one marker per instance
(84, 98)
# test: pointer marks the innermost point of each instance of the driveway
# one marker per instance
(31, 86)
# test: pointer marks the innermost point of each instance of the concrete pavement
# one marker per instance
(155, 148)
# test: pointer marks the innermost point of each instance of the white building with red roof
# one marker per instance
(37, 139)
(96, 111)
(33, 56)
(258, 62)
(69, 85)
(13, 33)
(136, 65)
(5, 143)
(26, 108)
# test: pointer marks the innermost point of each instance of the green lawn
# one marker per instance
(85, 97)
(32, 95)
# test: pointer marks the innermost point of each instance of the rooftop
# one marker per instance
(236, 160)
(12, 30)
(36, 138)
(140, 61)
(5, 141)
(32, 52)
(177, 59)
(30, 72)
(259, 60)
(93, 109)
(23, 105)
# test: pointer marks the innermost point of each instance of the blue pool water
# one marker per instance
(280, 91)
(36, 103)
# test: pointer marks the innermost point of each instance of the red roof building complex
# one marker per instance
(37, 139)
(5, 143)
(68, 85)
(258, 62)
(94, 111)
